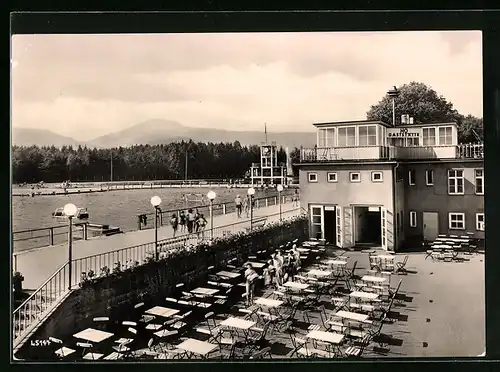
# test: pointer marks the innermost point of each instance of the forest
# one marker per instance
(136, 163)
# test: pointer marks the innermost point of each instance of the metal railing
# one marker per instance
(329, 154)
(217, 209)
(34, 308)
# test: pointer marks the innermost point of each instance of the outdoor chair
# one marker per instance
(297, 344)
(62, 351)
(171, 300)
(129, 323)
(401, 266)
(85, 347)
(257, 336)
(181, 322)
(146, 318)
(211, 327)
(261, 353)
(101, 322)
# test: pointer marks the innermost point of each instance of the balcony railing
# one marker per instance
(329, 154)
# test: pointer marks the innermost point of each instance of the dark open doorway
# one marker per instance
(368, 226)
(329, 226)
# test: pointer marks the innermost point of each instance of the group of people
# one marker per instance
(278, 270)
(192, 221)
(243, 205)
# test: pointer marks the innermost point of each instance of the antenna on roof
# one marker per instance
(265, 131)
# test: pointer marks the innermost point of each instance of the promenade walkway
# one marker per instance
(37, 265)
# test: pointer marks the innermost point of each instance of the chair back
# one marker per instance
(353, 270)
(405, 260)
(129, 323)
(171, 299)
(85, 345)
(187, 314)
(141, 304)
(55, 340)
(132, 330)
(101, 319)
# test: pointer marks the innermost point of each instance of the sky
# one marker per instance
(85, 86)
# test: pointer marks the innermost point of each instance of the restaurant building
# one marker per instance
(366, 183)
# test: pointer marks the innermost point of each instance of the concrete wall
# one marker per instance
(349, 194)
(421, 198)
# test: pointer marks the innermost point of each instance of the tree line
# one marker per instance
(136, 163)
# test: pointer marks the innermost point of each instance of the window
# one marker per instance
(377, 177)
(331, 177)
(346, 136)
(445, 136)
(326, 137)
(317, 222)
(455, 182)
(411, 177)
(429, 177)
(355, 177)
(413, 219)
(367, 135)
(312, 177)
(479, 175)
(456, 221)
(429, 136)
(321, 137)
(412, 141)
(480, 221)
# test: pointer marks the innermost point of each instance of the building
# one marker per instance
(368, 183)
(268, 171)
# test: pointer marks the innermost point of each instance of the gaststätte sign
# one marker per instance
(403, 132)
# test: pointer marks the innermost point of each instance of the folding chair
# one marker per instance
(85, 347)
(401, 266)
(211, 330)
(299, 347)
(261, 353)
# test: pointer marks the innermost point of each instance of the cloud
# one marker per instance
(88, 85)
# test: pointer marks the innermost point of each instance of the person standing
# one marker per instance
(245, 205)
(296, 198)
(174, 222)
(251, 277)
(182, 221)
(190, 218)
(201, 223)
(238, 203)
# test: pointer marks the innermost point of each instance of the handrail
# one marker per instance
(65, 226)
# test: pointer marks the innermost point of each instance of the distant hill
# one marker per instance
(40, 137)
(158, 131)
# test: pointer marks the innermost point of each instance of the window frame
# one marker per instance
(456, 178)
(411, 179)
(450, 220)
(309, 174)
(424, 129)
(478, 226)
(413, 219)
(353, 173)
(381, 179)
(329, 179)
(431, 172)
(445, 135)
(476, 178)
(346, 128)
(367, 135)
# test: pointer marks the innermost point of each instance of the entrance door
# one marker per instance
(383, 227)
(431, 225)
(348, 227)
(329, 226)
(338, 226)
(317, 218)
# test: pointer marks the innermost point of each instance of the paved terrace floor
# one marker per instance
(438, 312)
(37, 265)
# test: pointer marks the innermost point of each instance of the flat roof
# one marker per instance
(368, 122)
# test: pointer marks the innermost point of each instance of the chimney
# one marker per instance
(411, 121)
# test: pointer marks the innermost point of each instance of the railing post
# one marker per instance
(275, 200)
(85, 230)
(224, 208)
(51, 236)
(267, 203)
(139, 222)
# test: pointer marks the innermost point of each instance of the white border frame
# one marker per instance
(381, 179)
(309, 174)
(354, 181)
(413, 219)
(328, 177)
(450, 219)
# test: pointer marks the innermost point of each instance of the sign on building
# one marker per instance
(403, 132)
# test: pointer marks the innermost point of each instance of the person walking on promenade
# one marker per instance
(246, 205)
(174, 222)
(201, 223)
(182, 221)
(237, 203)
(251, 277)
(296, 198)
(190, 218)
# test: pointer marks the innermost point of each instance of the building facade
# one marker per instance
(368, 183)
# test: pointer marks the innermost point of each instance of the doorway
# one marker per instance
(329, 225)
(368, 226)
(431, 225)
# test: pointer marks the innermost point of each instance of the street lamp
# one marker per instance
(155, 202)
(211, 196)
(280, 189)
(70, 211)
(393, 93)
(251, 192)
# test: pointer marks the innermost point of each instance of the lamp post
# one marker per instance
(211, 196)
(70, 212)
(280, 189)
(251, 192)
(155, 202)
(393, 93)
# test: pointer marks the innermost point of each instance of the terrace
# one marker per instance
(329, 154)
(340, 304)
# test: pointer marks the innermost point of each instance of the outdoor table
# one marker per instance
(164, 312)
(153, 327)
(296, 285)
(257, 265)
(193, 346)
(363, 318)
(162, 333)
(373, 279)
(321, 273)
(303, 250)
(268, 302)
(64, 352)
(93, 356)
(228, 274)
(332, 338)
(336, 262)
(238, 323)
(93, 335)
(113, 356)
(124, 341)
(205, 291)
(364, 295)
(385, 257)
